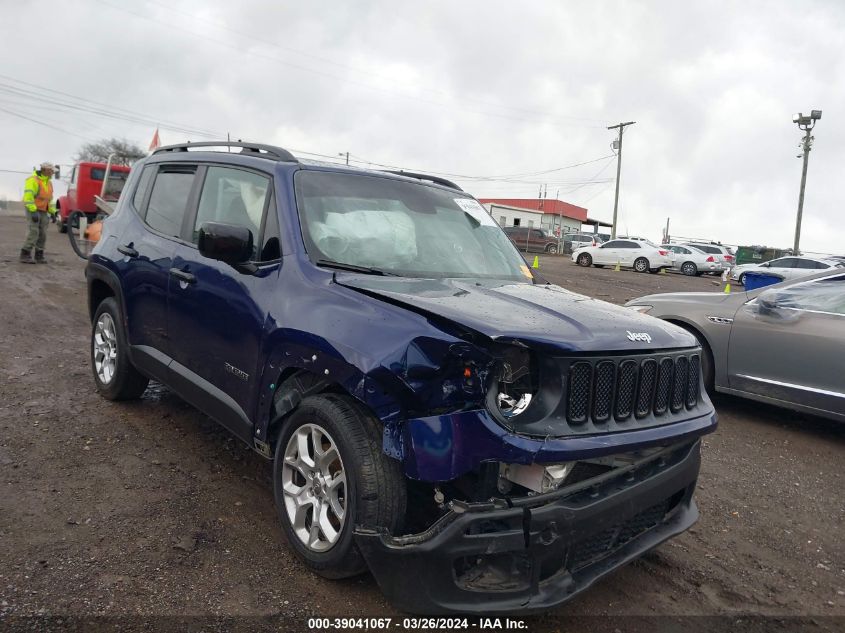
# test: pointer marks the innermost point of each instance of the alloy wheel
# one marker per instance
(105, 348)
(314, 485)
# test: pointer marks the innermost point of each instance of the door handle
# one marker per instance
(181, 275)
(127, 250)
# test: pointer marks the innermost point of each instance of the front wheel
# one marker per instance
(741, 279)
(329, 475)
(584, 259)
(641, 265)
(551, 249)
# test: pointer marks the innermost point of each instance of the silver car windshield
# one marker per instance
(401, 228)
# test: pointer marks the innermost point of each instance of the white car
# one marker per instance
(639, 255)
(722, 253)
(691, 261)
(788, 267)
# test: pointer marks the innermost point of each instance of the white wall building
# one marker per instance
(514, 216)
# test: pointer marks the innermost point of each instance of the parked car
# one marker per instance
(574, 241)
(86, 181)
(691, 261)
(781, 344)
(639, 255)
(532, 240)
(722, 253)
(434, 411)
(787, 267)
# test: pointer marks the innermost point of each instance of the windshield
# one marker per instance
(402, 228)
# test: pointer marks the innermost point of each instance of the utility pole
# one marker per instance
(344, 154)
(621, 127)
(805, 123)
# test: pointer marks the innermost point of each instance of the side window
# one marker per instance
(537, 234)
(141, 190)
(233, 196)
(786, 262)
(169, 199)
(612, 244)
(73, 174)
(825, 295)
(628, 245)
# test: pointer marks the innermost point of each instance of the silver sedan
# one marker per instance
(782, 344)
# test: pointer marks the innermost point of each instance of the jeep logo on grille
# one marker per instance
(643, 337)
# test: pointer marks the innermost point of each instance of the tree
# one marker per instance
(125, 153)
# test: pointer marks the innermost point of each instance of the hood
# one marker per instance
(707, 298)
(537, 315)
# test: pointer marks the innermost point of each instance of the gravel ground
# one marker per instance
(148, 508)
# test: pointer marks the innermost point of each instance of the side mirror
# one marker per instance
(57, 174)
(228, 243)
(766, 265)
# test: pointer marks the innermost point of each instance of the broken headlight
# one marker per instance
(515, 385)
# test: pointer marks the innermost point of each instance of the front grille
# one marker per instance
(639, 388)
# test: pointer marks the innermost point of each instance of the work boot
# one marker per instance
(39, 257)
(26, 257)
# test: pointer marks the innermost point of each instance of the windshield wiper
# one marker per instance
(328, 263)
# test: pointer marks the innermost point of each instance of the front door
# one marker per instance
(218, 313)
(789, 344)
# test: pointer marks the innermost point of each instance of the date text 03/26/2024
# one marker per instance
(409, 624)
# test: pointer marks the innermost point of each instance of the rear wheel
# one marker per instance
(329, 475)
(689, 269)
(114, 375)
(641, 264)
(584, 259)
(551, 249)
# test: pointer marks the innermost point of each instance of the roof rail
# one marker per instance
(264, 151)
(435, 179)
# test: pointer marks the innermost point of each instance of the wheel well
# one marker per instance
(97, 293)
(293, 386)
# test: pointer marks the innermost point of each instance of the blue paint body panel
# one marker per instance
(399, 346)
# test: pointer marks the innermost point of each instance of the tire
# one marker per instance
(373, 491)
(61, 226)
(114, 374)
(584, 259)
(689, 269)
(551, 249)
(741, 280)
(641, 264)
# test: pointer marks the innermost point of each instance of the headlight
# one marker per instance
(641, 309)
(515, 384)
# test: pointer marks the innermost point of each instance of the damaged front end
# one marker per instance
(525, 551)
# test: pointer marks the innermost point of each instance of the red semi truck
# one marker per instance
(89, 181)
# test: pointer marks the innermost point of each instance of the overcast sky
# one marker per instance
(474, 89)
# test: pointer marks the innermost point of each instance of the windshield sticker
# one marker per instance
(476, 211)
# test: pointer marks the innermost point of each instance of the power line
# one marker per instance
(182, 30)
(251, 36)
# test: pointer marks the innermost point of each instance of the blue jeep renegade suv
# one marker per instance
(482, 441)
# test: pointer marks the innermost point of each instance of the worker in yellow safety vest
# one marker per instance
(40, 210)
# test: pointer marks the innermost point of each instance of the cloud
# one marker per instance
(473, 88)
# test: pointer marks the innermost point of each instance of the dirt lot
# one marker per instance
(148, 508)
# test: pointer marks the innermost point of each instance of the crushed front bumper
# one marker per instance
(534, 553)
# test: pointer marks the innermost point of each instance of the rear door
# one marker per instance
(218, 312)
(160, 201)
(789, 344)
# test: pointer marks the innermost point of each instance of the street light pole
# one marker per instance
(805, 123)
(621, 127)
